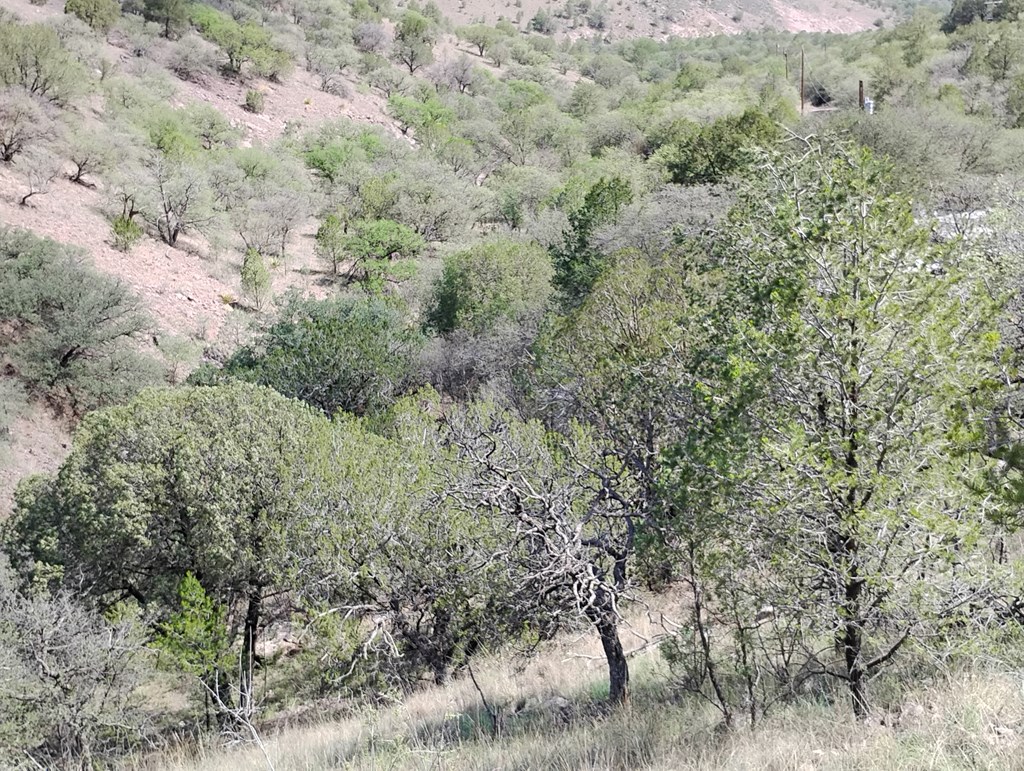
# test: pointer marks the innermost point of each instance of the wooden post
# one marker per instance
(860, 94)
(785, 55)
(801, 81)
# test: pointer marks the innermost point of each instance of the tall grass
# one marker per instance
(551, 717)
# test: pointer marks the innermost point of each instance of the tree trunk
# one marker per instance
(853, 649)
(246, 678)
(618, 668)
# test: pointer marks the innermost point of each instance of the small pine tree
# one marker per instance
(126, 232)
(331, 241)
(254, 101)
(196, 639)
(255, 278)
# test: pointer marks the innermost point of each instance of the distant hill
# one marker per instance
(619, 19)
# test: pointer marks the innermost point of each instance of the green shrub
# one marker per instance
(74, 340)
(255, 278)
(495, 281)
(708, 154)
(377, 246)
(127, 233)
(101, 15)
(351, 354)
(254, 101)
(31, 56)
(242, 43)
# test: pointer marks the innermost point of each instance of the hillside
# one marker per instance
(579, 385)
(184, 288)
(624, 19)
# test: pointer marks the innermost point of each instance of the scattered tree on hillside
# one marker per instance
(238, 458)
(39, 168)
(480, 36)
(31, 56)
(101, 15)
(414, 41)
(75, 329)
(23, 123)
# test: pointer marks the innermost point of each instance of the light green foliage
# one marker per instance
(428, 118)
(77, 328)
(495, 282)
(350, 354)
(375, 246)
(210, 126)
(245, 43)
(31, 56)
(330, 242)
(338, 148)
(126, 233)
(256, 282)
(254, 101)
(480, 36)
(98, 14)
(195, 637)
(414, 41)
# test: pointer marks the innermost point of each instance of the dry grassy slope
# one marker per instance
(553, 719)
(684, 18)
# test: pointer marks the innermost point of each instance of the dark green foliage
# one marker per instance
(578, 264)
(709, 154)
(171, 15)
(71, 332)
(351, 354)
(238, 458)
(965, 12)
(98, 14)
